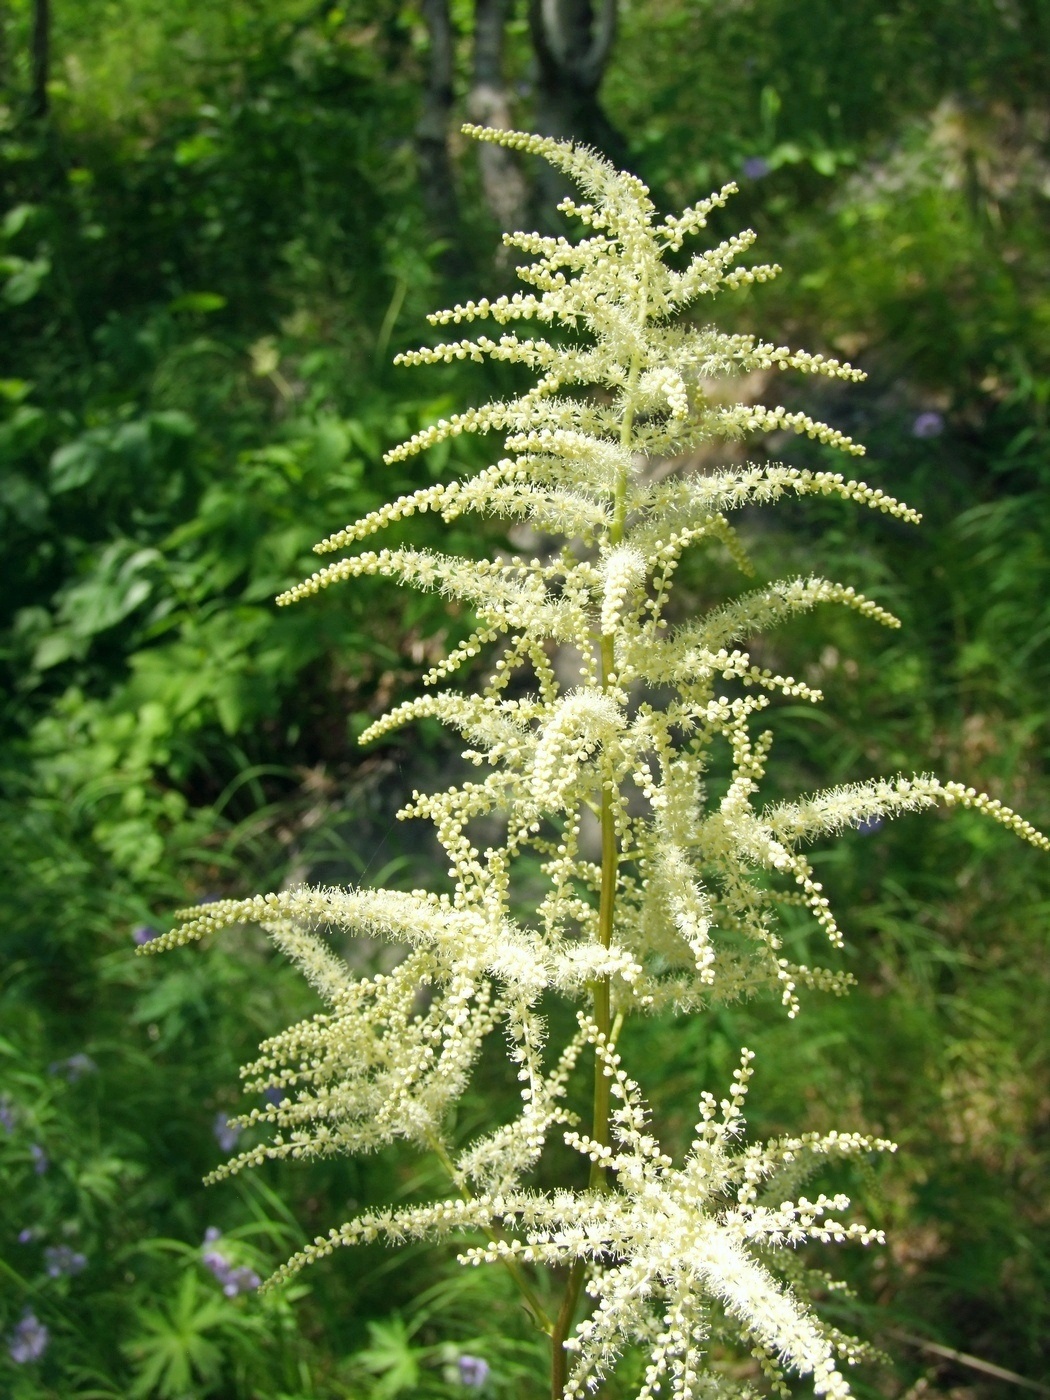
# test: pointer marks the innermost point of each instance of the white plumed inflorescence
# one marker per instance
(684, 908)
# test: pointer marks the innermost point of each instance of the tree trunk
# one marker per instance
(40, 59)
(502, 181)
(435, 166)
(573, 40)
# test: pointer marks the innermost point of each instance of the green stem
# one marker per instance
(610, 848)
(524, 1287)
(606, 910)
(620, 494)
(601, 990)
(559, 1360)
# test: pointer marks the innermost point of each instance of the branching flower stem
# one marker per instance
(610, 845)
(606, 912)
(602, 990)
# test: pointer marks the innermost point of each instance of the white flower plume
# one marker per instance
(682, 905)
(679, 1259)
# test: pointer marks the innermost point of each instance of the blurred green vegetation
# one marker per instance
(209, 252)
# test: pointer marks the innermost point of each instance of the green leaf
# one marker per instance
(174, 422)
(118, 584)
(24, 283)
(391, 1357)
(328, 445)
(198, 301)
(16, 219)
(823, 162)
(58, 647)
(74, 464)
(196, 149)
(23, 499)
(171, 1353)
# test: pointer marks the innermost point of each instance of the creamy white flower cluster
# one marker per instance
(682, 1259)
(683, 908)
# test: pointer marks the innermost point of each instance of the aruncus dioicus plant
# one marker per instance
(682, 909)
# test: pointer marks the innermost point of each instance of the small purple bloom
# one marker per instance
(226, 1133)
(234, 1280)
(41, 1161)
(74, 1068)
(61, 1261)
(144, 933)
(211, 1234)
(273, 1096)
(928, 425)
(755, 167)
(27, 1236)
(473, 1370)
(28, 1341)
(868, 826)
(217, 1262)
(8, 1117)
(242, 1280)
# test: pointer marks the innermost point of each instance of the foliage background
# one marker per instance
(210, 249)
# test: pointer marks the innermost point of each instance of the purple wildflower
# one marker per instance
(234, 1279)
(41, 1161)
(28, 1235)
(74, 1068)
(8, 1117)
(868, 826)
(216, 1262)
(61, 1261)
(144, 933)
(473, 1370)
(273, 1096)
(755, 167)
(28, 1341)
(928, 425)
(242, 1280)
(226, 1132)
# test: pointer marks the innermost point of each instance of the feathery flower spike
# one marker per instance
(679, 907)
